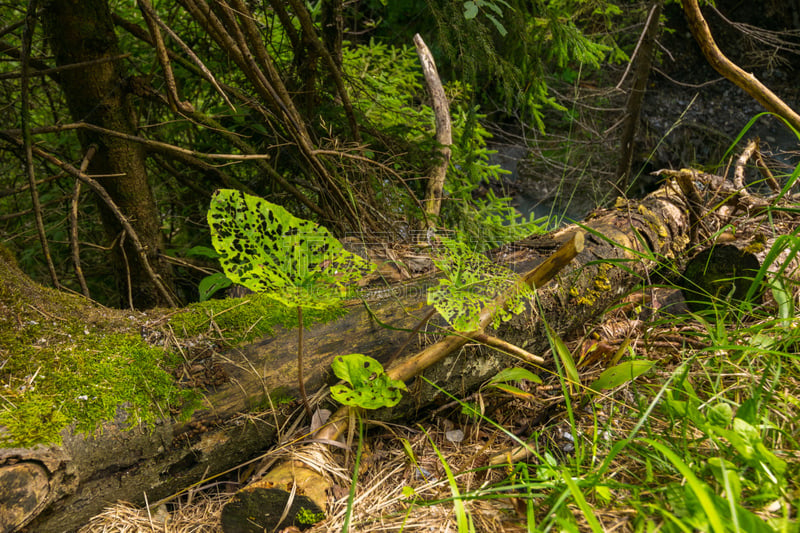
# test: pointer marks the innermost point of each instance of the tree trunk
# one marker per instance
(87, 473)
(333, 28)
(633, 108)
(96, 93)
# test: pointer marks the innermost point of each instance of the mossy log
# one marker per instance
(86, 473)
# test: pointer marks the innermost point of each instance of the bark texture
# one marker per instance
(87, 473)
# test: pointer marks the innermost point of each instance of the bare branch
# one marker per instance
(744, 80)
(308, 28)
(150, 19)
(153, 145)
(30, 22)
(153, 22)
(444, 131)
(56, 70)
(73, 223)
(100, 190)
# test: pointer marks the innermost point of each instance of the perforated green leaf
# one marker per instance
(266, 249)
(472, 283)
(372, 387)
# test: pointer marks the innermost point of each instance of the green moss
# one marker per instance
(244, 319)
(308, 517)
(49, 384)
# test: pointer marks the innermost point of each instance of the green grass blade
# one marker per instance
(464, 522)
(588, 514)
(697, 486)
(565, 357)
(351, 498)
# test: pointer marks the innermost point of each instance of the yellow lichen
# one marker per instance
(602, 283)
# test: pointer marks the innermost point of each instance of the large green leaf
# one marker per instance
(267, 249)
(472, 283)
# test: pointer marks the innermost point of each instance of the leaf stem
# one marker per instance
(300, 380)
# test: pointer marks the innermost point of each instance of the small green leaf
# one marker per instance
(211, 284)
(603, 492)
(202, 251)
(748, 411)
(498, 26)
(720, 414)
(514, 391)
(620, 374)
(470, 10)
(356, 369)
(785, 300)
(515, 374)
(371, 388)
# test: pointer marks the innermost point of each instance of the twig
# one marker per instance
(127, 269)
(26, 212)
(300, 379)
(30, 23)
(642, 37)
(156, 145)
(685, 181)
(766, 173)
(386, 168)
(738, 173)
(152, 21)
(263, 75)
(410, 336)
(62, 68)
(744, 80)
(633, 107)
(73, 223)
(509, 348)
(307, 26)
(26, 186)
(207, 19)
(206, 73)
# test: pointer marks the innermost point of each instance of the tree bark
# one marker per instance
(96, 93)
(87, 473)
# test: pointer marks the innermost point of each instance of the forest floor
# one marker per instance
(678, 421)
(712, 427)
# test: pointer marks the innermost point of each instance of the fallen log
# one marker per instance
(264, 505)
(86, 473)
